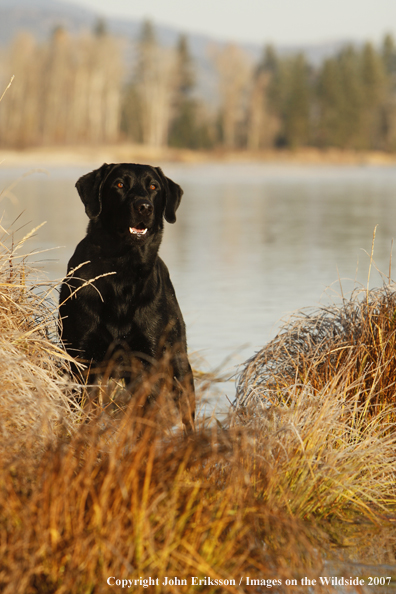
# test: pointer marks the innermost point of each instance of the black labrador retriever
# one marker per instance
(118, 294)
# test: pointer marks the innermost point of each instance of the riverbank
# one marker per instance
(293, 493)
(68, 155)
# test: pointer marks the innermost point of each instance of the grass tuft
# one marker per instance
(35, 397)
(348, 349)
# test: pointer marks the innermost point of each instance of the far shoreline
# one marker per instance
(81, 155)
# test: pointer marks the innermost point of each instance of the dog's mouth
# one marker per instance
(139, 230)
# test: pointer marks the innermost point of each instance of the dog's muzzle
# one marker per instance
(144, 210)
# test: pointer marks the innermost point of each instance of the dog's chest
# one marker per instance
(129, 309)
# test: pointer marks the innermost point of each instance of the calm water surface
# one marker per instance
(252, 243)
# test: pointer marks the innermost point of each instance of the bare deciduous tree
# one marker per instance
(262, 126)
(155, 83)
(68, 90)
(234, 75)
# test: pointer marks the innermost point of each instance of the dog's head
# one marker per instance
(129, 200)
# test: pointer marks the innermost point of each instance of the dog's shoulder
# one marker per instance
(163, 272)
(168, 289)
(84, 260)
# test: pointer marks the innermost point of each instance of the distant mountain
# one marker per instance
(41, 17)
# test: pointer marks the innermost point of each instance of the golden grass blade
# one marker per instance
(7, 87)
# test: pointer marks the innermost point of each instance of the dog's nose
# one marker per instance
(143, 207)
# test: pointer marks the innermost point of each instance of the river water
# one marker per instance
(252, 242)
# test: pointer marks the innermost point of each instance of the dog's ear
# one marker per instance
(174, 195)
(89, 187)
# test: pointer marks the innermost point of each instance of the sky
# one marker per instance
(278, 21)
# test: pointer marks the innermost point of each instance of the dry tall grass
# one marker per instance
(84, 499)
(347, 349)
(35, 402)
(143, 504)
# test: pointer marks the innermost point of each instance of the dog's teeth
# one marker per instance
(137, 231)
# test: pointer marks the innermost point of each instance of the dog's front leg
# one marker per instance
(184, 391)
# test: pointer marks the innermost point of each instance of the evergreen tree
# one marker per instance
(297, 103)
(131, 121)
(374, 91)
(185, 65)
(350, 115)
(272, 65)
(270, 60)
(100, 28)
(289, 96)
(330, 99)
(341, 100)
(389, 55)
(183, 131)
(352, 92)
(263, 116)
(389, 110)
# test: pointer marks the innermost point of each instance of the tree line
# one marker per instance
(72, 90)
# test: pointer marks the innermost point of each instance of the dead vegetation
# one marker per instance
(35, 404)
(87, 496)
(343, 349)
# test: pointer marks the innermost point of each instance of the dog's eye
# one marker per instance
(153, 187)
(120, 185)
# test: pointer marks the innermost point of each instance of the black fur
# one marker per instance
(135, 309)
